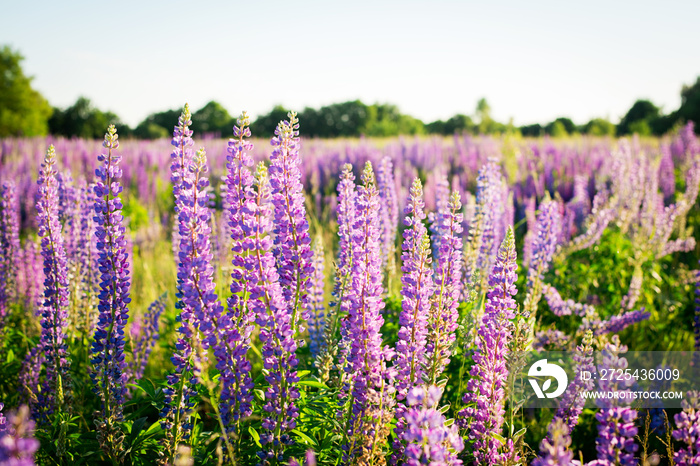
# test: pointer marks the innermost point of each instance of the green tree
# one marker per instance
(562, 126)
(83, 120)
(690, 104)
(457, 124)
(599, 127)
(641, 111)
(212, 118)
(23, 111)
(264, 126)
(158, 125)
(483, 114)
(534, 130)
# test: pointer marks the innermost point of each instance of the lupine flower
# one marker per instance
(56, 289)
(370, 390)
(237, 386)
(687, 431)
(17, 443)
(29, 378)
(618, 323)
(144, 335)
(635, 288)
(442, 323)
(616, 428)
(551, 340)
(486, 389)
(3, 421)
(108, 346)
(85, 265)
(341, 302)
(547, 233)
(310, 460)
(180, 158)
(417, 290)
(291, 228)
(437, 218)
(315, 302)
(428, 439)
(554, 449)
(667, 176)
(561, 307)
(31, 276)
(200, 309)
(388, 208)
(274, 317)
(571, 403)
(9, 246)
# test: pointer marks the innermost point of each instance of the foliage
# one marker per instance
(23, 111)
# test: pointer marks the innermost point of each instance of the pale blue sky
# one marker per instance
(532, 60)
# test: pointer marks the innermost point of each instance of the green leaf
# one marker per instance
(255, 435)
(312, 383)
(306, 439)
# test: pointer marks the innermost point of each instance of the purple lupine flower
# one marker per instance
(571, 403)
(428, 439)
(180, 158)
(416, 291)
(551, 340)
(276, 334)
(687, 431)
(560, 307)
(86, 254)
(107, 352)
(235, 401)
(200, 309)
(3, 421)
(315, 306)
(667, 175)
(547, 231)
(696, 317)
(31, 276)
(310, 460)
(342, 286)
(616, 429)
(144, 335)
(291, 228)
(17, 443)
(9, 246)
(554, 449)
(437, 218)
(28, 379)
(370, 391)
(486, 389)
(617, 323)
(388, 208)
(442, 323)
(635, 289)
(56, 290)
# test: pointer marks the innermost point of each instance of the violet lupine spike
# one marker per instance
(428, 439)
(389, 208)
(486, 389)
(276, 334)
(200, 309)
(180, 158)
(561, 307)
(144, 335)
(178, 403)
(616, 429)
(443, 321)
(86, 254)
(571, 403)
(547, 231)
(416, 291)
(235, 401)
(342, 287)
(635, 288)
(696, 316)
(667, 175)
(55, 390)
(618, 323)
(3, 421)
(28, 379)
(291, 228)
(554, 449)
(31, 276)
(107, 351)
(366, 359)
(550, 340)
(315, 303)
(17, 443)
(438, 218)
(9, 246)
(686, 431)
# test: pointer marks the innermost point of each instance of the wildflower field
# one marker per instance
(354, 302)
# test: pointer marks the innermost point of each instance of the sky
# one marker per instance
(532, 60)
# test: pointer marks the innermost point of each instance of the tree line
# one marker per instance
(25, 112)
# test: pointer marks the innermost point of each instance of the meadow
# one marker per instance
(351, 301)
